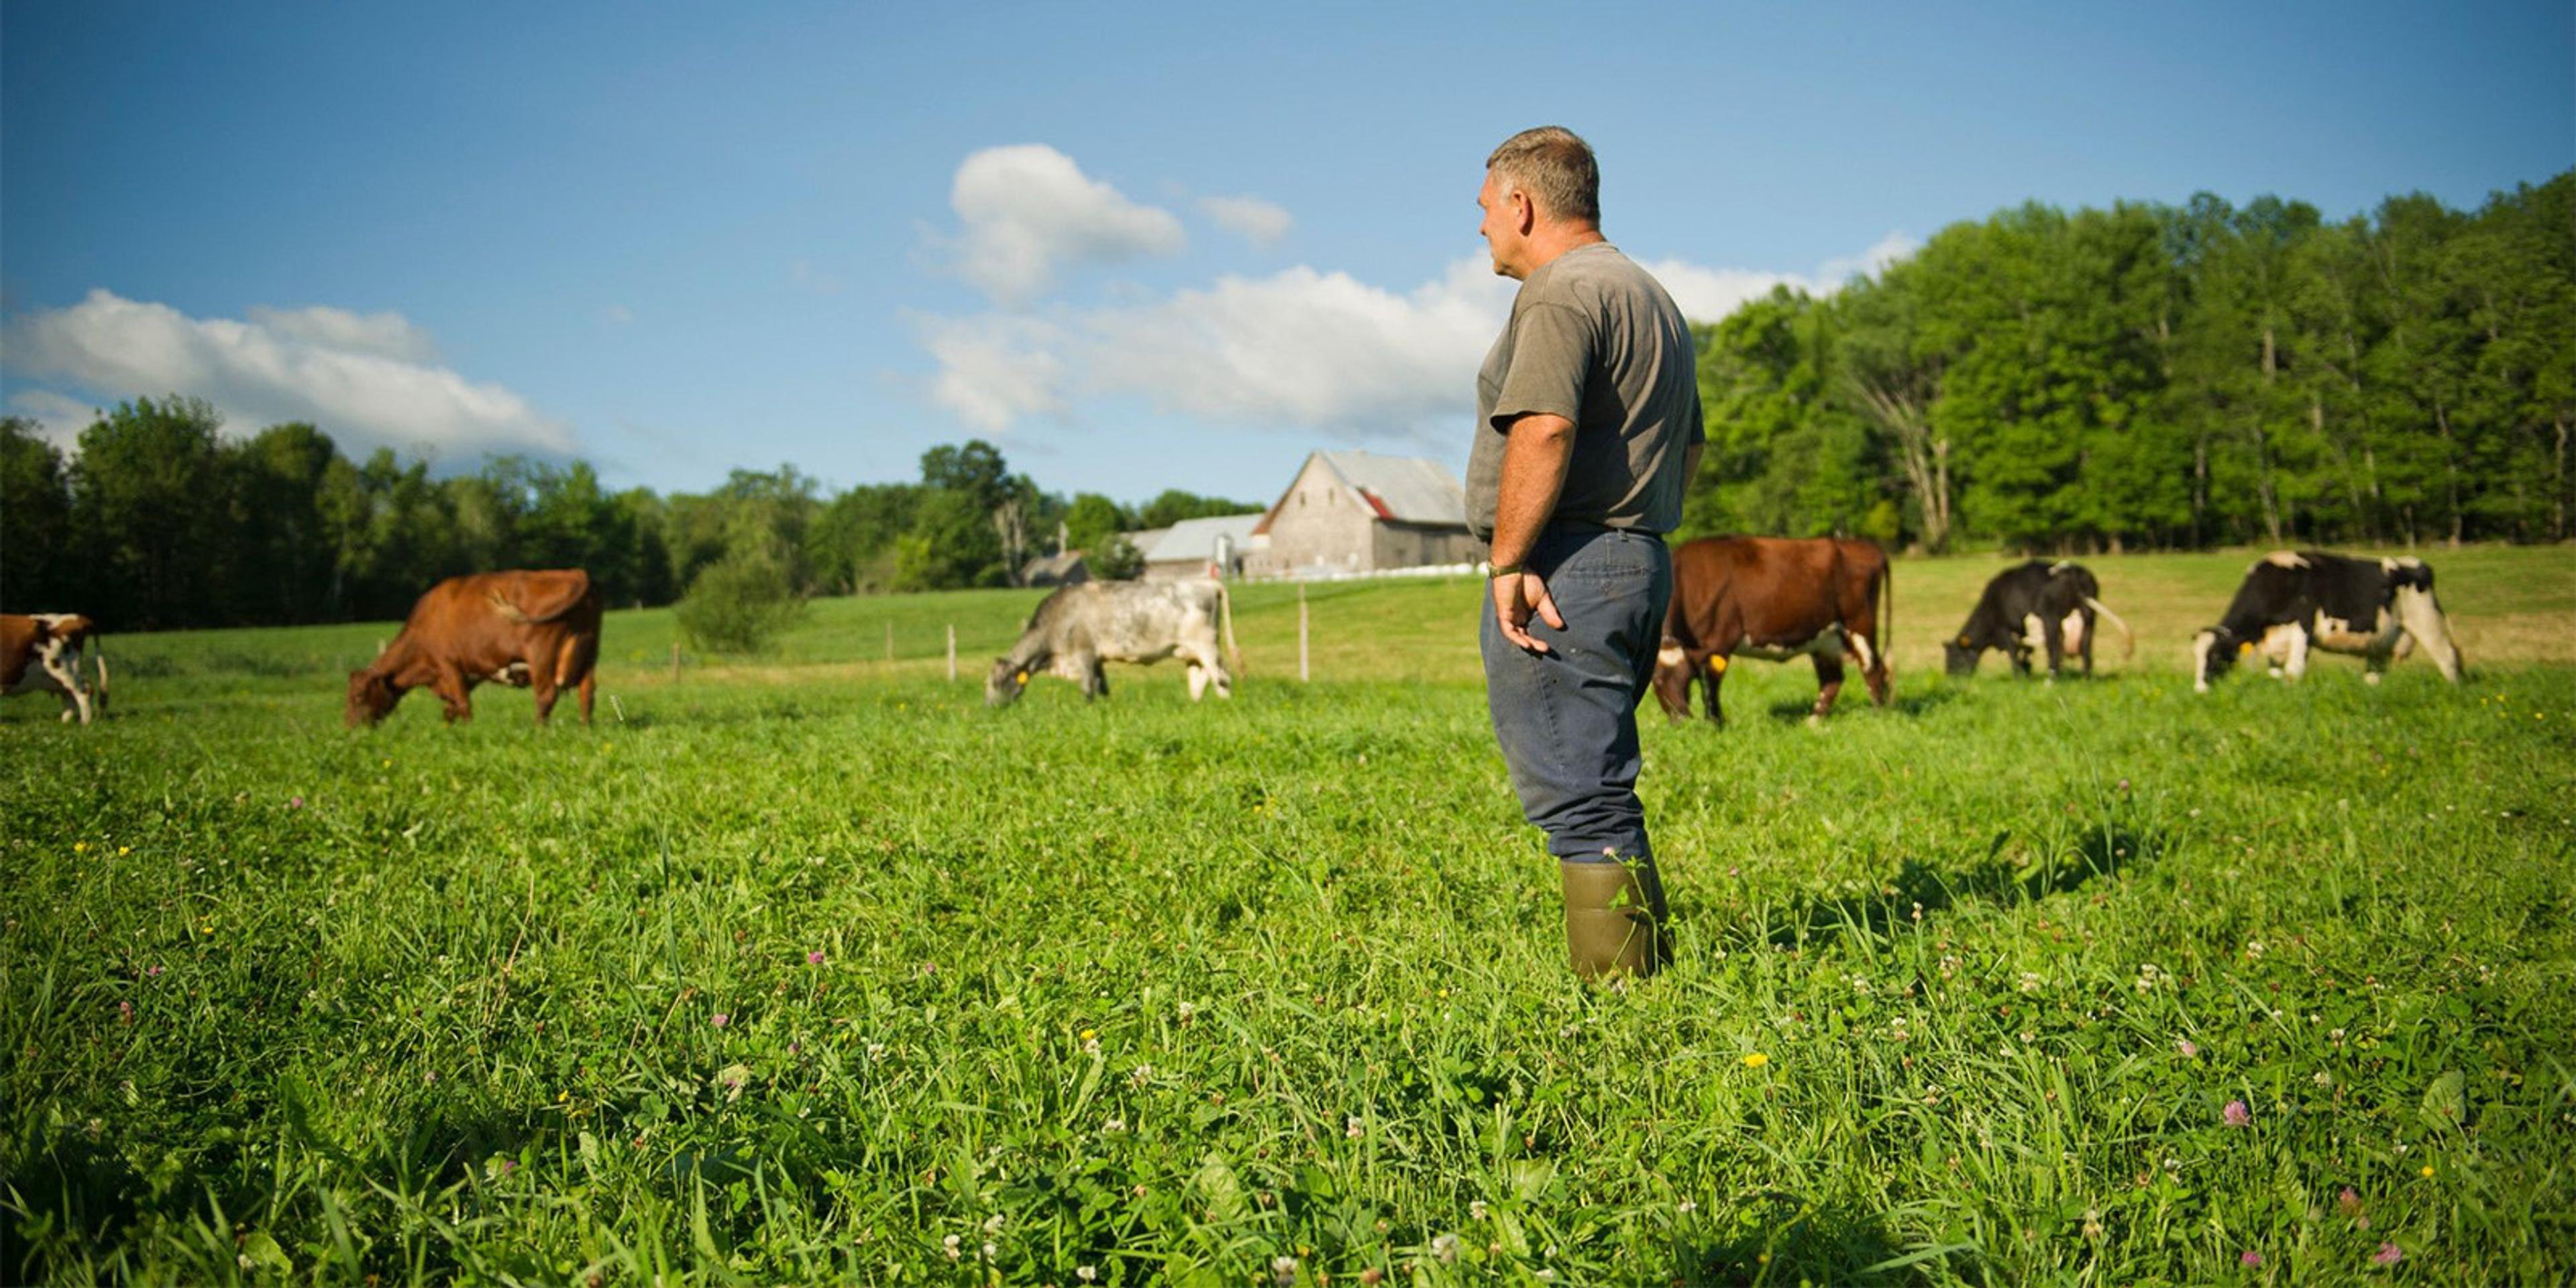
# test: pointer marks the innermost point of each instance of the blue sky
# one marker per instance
(1137, 247)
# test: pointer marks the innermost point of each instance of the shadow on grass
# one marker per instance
(1781, 1239)
(1918, 889)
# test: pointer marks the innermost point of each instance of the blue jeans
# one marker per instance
(1567, 719)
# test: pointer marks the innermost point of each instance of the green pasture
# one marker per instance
(808, 968)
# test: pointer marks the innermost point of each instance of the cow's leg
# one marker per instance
(589, 682)
(2422, 617)
(541, 682)
(63, 668)
(2054, 638)
(1198, 679)
(450, 685)
(2086, 617)
(1095, 678)
(2296, 665)
(1873, 669)
(1711, 670)
(1213, 663)
(1829, 685)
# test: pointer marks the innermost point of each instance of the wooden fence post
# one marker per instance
(1301, 634)
(952, 653)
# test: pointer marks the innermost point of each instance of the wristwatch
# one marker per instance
(1505, 570)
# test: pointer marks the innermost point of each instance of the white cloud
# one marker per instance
(59, 420)
(1707, 294)
(994, 370)
(1259, 222)
(1304, 349)
(1029, 212)
(387, 335)
(358, 378)
(1887, 250)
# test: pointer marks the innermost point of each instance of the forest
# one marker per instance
(2165, 377)
(2142, 377)
(160, 520)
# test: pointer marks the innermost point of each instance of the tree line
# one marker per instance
(2165, 377)
(160, 521)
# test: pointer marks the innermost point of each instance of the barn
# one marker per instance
(1354, 512)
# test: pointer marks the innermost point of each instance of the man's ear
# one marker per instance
(1524, 211)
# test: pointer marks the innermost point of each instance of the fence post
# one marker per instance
(675, 661)
(952, 652)
(1301, 633)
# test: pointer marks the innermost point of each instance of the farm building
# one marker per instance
(1354, 512)
(1190, 547)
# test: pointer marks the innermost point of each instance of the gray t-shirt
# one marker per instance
(1595, 339)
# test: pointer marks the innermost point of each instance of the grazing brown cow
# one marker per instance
(1774, 598)
(41, 653)
(535, 630)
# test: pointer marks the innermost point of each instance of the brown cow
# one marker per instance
(535, 630)
(41, 653)
(1774, 598)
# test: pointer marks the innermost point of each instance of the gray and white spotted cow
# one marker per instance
(2293, 602)
(41, 653)
(1080, 627)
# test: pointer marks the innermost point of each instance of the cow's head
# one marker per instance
(2212, 652)
(371, 697)
(1960, 653)
(1002, 687)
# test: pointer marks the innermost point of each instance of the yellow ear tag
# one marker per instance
(2245, 648)
(1717, 663)
(1963, 641)
(1022, 677)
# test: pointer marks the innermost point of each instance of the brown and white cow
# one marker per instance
(1774, 598)
(41, 653)
(534, 630)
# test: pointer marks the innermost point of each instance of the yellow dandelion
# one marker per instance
(1089, 1034)
(1756, 1060)
(2428, 1171)
(80, 847)
(124, 850)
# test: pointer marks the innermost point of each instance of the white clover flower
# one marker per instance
(1445, 1247)
(949, 1246)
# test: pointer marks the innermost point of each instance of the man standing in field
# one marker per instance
(1588, 426)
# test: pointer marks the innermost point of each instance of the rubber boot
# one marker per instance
(1612, 918)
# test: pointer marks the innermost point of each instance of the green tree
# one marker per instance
(152, 510)
(35, 521)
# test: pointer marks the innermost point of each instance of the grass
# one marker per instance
(808, 966)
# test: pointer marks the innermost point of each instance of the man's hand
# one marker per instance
(1518, 596)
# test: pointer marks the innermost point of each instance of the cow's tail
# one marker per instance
(2128, 638)
(1225, 615)
(1887, 613)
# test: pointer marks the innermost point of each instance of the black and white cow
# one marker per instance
(1079, 627)
(2292, 602)
(2031, 608)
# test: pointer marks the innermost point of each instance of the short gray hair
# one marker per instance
(1553, 165)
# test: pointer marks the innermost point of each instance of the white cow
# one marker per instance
(1082, 626)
